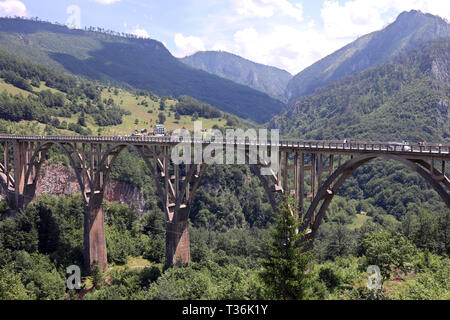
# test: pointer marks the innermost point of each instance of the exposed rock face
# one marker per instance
(125, 193)
(57, 179)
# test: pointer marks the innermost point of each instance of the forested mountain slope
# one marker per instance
(140, 63)
(270, 80)
(409, 30)
(407, 98)
(33, 92)
(36, 99)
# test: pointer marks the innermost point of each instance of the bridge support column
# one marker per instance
(94, 233)
(19, 172)
(177, 239)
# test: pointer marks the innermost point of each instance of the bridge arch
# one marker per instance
(177, 212)
(331, 186)
(33, 169)
(114, 150)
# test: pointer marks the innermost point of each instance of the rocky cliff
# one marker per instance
(58, 180)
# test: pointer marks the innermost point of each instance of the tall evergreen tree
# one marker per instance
(284, 269)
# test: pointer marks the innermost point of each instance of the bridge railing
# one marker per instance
(307, 144)
(367, 146)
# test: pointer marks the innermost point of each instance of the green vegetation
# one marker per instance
(408, 31)
(38, 244)
(130, 62)
(284, 270)
(404, 99)
(270, 80)
(69, 96)
(64, 104)
(188, 106)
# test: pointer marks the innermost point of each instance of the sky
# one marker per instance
(288, 34)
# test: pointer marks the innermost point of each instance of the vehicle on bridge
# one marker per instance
(399, 146)
(135, 133)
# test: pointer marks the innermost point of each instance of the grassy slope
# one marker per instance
(12, 89)
(148, 120)
(129, 103)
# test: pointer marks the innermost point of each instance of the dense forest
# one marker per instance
(69, 96)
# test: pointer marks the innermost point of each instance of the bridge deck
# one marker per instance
(351, 147)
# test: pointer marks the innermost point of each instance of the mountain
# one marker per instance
(407, 98)
(407, 31)
(35, 99)
(270, 80)
(140, 63)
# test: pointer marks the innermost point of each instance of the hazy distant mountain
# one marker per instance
(270, 80)
(141, 63)
(407, 31)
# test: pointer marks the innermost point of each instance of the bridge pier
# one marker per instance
(177, 239)
(94, 233)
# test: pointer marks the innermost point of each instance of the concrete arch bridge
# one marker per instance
(311, 171)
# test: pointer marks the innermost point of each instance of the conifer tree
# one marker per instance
(284, 269)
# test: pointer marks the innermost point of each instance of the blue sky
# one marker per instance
(289, 34)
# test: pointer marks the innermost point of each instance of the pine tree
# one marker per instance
(284, 269)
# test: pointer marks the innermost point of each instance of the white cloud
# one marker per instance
(268, 8)
(188, 45)
(106, 1)
(294, 44)
(285, 46)
(13, 8)
(140, 32)
(358, 17)
(352, 19)
(295, 47)
(250, 8)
